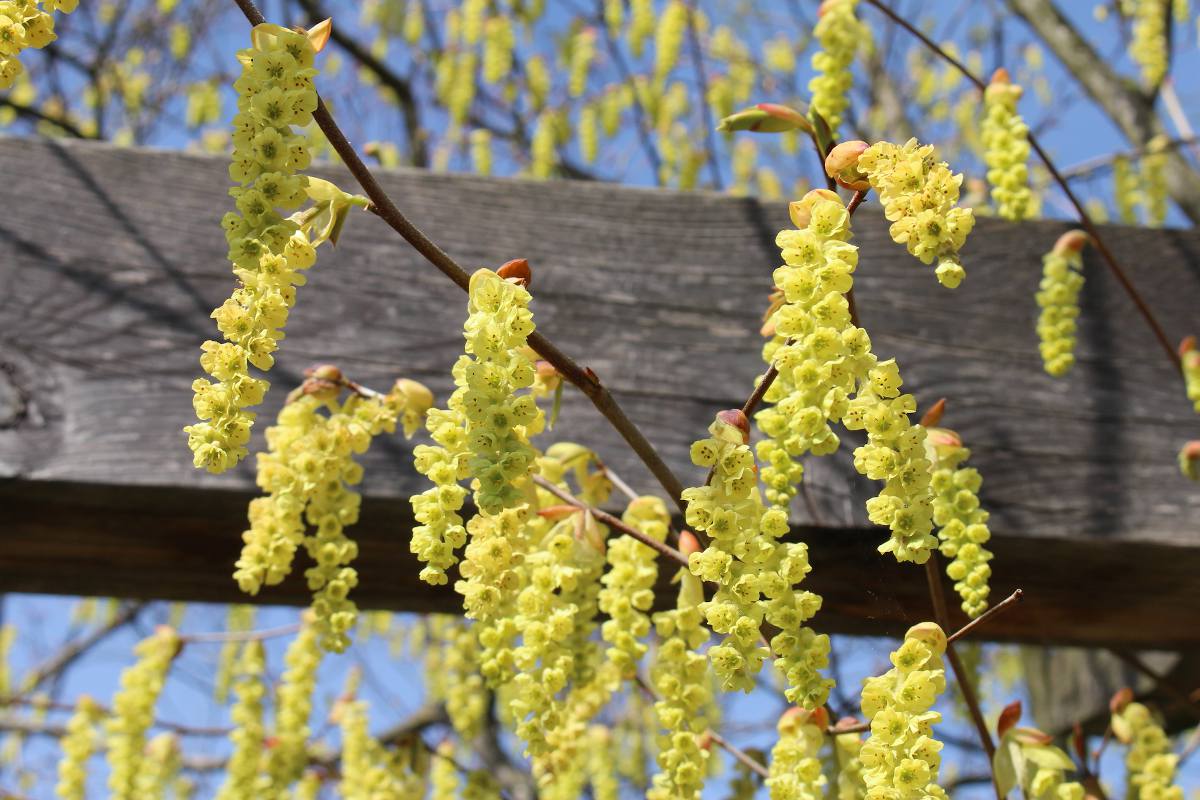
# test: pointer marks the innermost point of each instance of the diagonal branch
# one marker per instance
(581, 377)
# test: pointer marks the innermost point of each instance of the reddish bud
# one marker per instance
(842, 165)
(1032, 736)
(545, 369)
(735, 418)
(516, 271)
(1122, 698)
(555, 513)
(1008, 718)
(704, 741)
(934, 415)
(1072, 242)
(325, 372)
(1188, 345)
(1001, 76)
(688, 543)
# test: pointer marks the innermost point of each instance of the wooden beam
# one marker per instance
(113, 259)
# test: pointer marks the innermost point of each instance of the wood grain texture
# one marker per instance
(112, 260)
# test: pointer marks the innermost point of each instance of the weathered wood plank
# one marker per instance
(112, 261)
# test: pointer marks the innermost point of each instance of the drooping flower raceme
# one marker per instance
(26, 25)
(901, 758)
(828, 373)
(1150, 765)
(1149, 46)
(293, 708)
(1006, 142)
(755, 573)
(848, 748)
(795, 770)
(628, 589)
(839, 32)
(680, 677)
(307, 473)
(484, 433)
(241, 775)
(133, 710)
(920, 195)
(269, 252)
(962, 523)
(78, 746)
(1058, 297)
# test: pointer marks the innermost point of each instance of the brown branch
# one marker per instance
(661, 548)
(1085, 219)
(240, 636)
(640, 117)
(35, 113)
(583, 378)
(991, 613)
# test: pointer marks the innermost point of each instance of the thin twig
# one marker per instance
(583, 378)
(240, 636)
(73, 650)
(613, 522)
(1085, 219)
(991, 613)
(1168, 686)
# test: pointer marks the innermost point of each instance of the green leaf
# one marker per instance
(1048, 756)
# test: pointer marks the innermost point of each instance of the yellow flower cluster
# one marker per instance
(307, 473)
(680, 677)
(920, 196)
(269, 253)
(628, 589)
(1149, 46)
(583, 52)
(78, 746)
(1058, 297)
(1026, 757)
(1154, 181)
(443, 777)
(493, 571)
(847, 749)
(452, 675)
(602, 763)
(1006, 148)
(160, 766)
(818, 352)
(901, 758)
(498, 43)
(668, 38)
(555, 610)
(133, 711)
(641, 25)
(22, 25)
(1126, 191)
(293, 707)
(1149, 762)
(368, 769)
(962, 523)
(755, 573)
(1189, 358)
(241, 774)
(795, 770)
(494, 368)
(481, 786)
(839, 32)
(484, 433)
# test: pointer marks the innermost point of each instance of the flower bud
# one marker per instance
(1189, 460)
(842, 165)
(688, 543)
(1122, 698)
(1072, 242)
(734, 418)
(766, 118)
(801, 210)
(1188, 345)
(325, 372)
(318, 35)
(934, 415)
(516, 271)
(931, 634)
